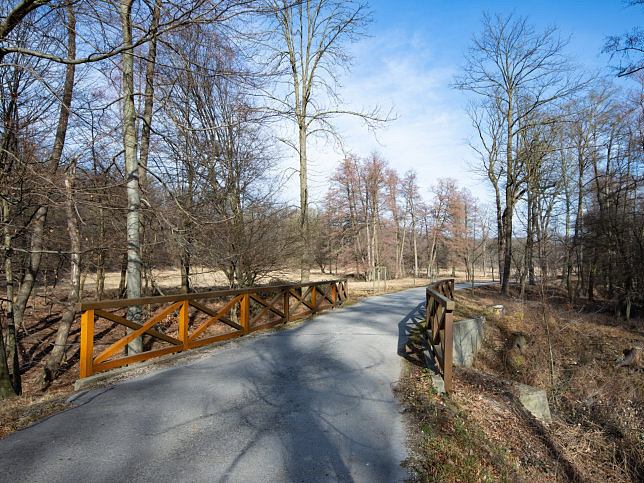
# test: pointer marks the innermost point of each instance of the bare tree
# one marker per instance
(515, 70)
(628, 48)
(412, 200)
(308, 49)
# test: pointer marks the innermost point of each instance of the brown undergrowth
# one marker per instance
(571, 351)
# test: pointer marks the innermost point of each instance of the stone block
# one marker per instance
(468, 337)
(534, 400)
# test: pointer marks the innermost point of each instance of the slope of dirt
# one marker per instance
(571, 351)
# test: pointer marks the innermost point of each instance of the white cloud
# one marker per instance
(430, 132)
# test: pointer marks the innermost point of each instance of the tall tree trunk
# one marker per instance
(507, 247)
(40, 216)
(6, 388)
(131, 175)
(305, 269)
(509, 197)
(100, 263)
(11, 359)
(146, 130)
(185, 270)
(55, 357)
(413, 228)
(579, 226)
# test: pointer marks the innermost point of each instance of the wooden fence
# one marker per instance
(176, 323)
(439, 322)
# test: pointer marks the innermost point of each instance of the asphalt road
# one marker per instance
(313, 403)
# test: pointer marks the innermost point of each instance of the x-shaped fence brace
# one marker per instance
(194, 320)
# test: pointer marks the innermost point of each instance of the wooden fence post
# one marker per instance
(313, 299)
(87, 344)
(287, 302)
(184, 319)
(245, 312)
(448, 351)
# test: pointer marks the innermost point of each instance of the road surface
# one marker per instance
(313, 403)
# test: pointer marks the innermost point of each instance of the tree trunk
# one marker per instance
(185, 271)
(40, 216)
(6, 388)
(11, 358)
(131, 175)
(305, 269)
(413, 228)
(507, 252)
(100, 263)
(55, 357)
(123, 279)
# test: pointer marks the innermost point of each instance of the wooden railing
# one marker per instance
(439, 322)
(176, 323)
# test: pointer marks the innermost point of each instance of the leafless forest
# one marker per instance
(140, 135)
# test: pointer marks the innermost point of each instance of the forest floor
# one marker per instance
(481, 432)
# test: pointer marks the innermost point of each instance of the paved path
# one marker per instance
(309, 404)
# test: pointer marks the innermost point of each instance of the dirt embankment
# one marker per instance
(572, 351)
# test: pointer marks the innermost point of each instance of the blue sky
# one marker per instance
(414, 50)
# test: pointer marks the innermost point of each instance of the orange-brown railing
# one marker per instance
(176, 323)
(439, 320)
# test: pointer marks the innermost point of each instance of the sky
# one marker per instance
(408, 61)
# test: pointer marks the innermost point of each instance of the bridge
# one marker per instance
(312, 403)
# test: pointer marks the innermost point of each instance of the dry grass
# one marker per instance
(598, 421)
(21, 411)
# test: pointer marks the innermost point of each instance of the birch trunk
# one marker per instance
(131, 175)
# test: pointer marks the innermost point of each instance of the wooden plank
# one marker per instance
(134, 325)
(144, 356)
(287, 306)
(266, 325)
(119, 344)
(325, 295)
(301, 315)
(111, 304)
(301, 299)
(441, 299)
(219, 315)
(155, 319)
(87, 344)
(245, 312)
(268, 306)
(216, 338)
(216, 316)
(184, 322)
